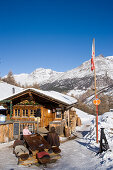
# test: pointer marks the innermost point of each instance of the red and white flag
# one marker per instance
(93, 55)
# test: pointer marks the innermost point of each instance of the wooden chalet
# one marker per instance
(32, 104)
(36, 108)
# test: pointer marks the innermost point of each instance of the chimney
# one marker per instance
(13, 90)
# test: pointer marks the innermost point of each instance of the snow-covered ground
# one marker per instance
(79, 153)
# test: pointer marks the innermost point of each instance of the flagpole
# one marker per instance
(96, 106)
(93, 53)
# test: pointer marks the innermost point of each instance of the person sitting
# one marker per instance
(26, 131)
(53, 139)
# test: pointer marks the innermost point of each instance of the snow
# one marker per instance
(76, 92)
(58, 96)
(79, 153)
(103, 65)
(104, 121)
(6, 91)
(39, 76)
(83, 70)
(85, 117)
(2, 108)
(109, 57)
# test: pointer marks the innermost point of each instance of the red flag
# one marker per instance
(92, 64)
(93, 56)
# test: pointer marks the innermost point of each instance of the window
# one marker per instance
(17, 112)
(58, 113)
(25, 112)
(31, 113)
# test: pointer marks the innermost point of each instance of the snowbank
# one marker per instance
(85, 117)
(104, 121)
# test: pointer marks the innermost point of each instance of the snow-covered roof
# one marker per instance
(6, 92)
(58, 96)
(2, 108)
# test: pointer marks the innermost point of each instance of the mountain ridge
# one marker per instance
(80, 78)
(83, 78)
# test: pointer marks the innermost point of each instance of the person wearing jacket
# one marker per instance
(26, 131)
(53, 138)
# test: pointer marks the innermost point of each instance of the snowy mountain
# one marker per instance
(39, 76)
(75, 81)
(82, 78)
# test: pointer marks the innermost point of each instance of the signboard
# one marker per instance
(16, 128)
(96, 101)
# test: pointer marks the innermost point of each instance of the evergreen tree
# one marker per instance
(10, 79)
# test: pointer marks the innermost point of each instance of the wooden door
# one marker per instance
(46, 117)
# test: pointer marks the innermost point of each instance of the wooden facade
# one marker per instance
(23, 107)
(27, 113)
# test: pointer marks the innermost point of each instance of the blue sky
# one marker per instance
(54, 34)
